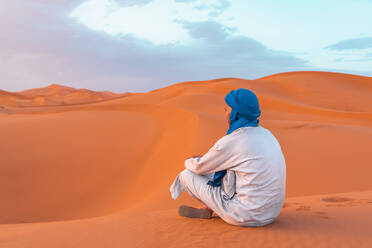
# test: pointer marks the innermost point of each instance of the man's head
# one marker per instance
(241, 103)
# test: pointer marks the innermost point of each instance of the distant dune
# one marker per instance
(80, 168)
(54, 95)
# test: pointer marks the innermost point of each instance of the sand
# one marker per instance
(81, 171)
(54, 95)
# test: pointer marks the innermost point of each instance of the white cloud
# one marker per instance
(153, 20)
(350, 44)
(48, 47)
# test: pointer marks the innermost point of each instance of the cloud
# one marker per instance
(365, 58)
(214, 9)
(57, 4)
(130, 3)
(185, 1)
(349, 44)
(210, 30)
(44, 46)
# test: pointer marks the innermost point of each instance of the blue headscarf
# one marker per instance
(244, 113)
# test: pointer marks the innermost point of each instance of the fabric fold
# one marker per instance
(176, 188)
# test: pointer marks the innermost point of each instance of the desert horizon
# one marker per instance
(78, 166)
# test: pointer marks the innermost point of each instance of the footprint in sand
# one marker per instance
(322, 215)
(303, 208)
(290, 204)
(299, 207)
(336, 201)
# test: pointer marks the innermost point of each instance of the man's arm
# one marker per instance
(219, 157)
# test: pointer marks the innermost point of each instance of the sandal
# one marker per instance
(191, 212)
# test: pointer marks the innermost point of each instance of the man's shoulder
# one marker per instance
(243, 132)
(227, 140)
(220, 143)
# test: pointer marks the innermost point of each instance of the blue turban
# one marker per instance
(244, 113)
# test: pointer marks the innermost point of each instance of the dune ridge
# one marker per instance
(54, 95)
(104, 168)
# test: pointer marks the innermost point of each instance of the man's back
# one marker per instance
(260, 172)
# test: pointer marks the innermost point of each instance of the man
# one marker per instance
(242, 177)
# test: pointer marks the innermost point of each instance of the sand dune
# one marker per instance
(99, 172)
(53, 95)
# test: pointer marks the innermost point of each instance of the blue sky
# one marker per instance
(141, 45)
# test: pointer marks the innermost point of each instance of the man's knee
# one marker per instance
(186, 176)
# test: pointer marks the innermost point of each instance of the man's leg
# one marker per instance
(193, 184)
(197, 187)
(179, 185)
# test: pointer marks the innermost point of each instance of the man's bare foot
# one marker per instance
(191, 212)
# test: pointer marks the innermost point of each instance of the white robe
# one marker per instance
(253, 190)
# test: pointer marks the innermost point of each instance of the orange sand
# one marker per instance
(77, 167)
(53, 95)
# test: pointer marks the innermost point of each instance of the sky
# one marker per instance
(142, 45)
